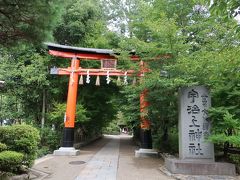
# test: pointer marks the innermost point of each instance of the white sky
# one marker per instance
(238, 19)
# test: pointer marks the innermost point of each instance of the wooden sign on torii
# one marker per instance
(108, 68)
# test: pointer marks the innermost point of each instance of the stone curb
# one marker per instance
(164, 170)
(40, 175)
(16, 177)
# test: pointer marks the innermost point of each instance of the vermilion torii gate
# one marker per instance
(108, 68)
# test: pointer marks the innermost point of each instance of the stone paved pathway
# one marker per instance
(131, 168)
(111, 158)
(104, 164)
(62, 167)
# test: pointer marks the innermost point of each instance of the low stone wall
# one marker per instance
(82, 136)
(84, 143)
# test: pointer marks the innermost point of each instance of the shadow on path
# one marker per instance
(131, 168)
(66, 167)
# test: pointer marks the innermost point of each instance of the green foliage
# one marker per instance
(21, 138)
(171, 146)
(24, 71)
(100, 108)
(3, 147)
(42, 151)
(118, 14)
(235, 158)
(11, 161)
(225, 127)
(121, 119)
(128, 104)
(225, 8)
(80, 22)
(57, 114)
(50, 139)
(203, 49)
(112, 128)
(25, 67)
(28, 20)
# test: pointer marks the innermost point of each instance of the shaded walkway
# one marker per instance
(59, 167)
(104, 164)
(110, 158)
(131, 168)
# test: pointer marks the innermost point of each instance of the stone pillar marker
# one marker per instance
(196, 153)
(194, 124)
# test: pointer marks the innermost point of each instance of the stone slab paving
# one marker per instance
(111, 158)
(104, 164)
(61, 168)
(142, 168)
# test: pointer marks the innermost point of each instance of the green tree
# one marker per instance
(81, 20)
(203, 50)
(25, 73)
(83, 24)
(28, 20)
(229, 8)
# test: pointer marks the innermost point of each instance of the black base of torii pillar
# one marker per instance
(145, 139)
(68, 137)
(146, 149)
(67, 148)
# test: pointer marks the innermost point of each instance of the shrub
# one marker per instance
(49, 138)
(169, 146)
(112, 128)
(42, 151)
(3, 147)
(21, 138)
(10, 161)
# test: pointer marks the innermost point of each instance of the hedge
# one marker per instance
(3, 147)
(11, 161)
(23, 139)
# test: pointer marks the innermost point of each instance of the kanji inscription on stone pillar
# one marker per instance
(194, 123)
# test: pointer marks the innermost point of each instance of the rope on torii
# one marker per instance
(108, 78)
(88, 77)
(125, 82)
(96, 72)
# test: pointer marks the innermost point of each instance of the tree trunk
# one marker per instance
(225, 149)
(165, 135)
(1, 118)
(43, 109)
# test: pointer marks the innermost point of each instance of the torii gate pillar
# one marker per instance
(145, 126)
(69, 119)
(145, 130)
